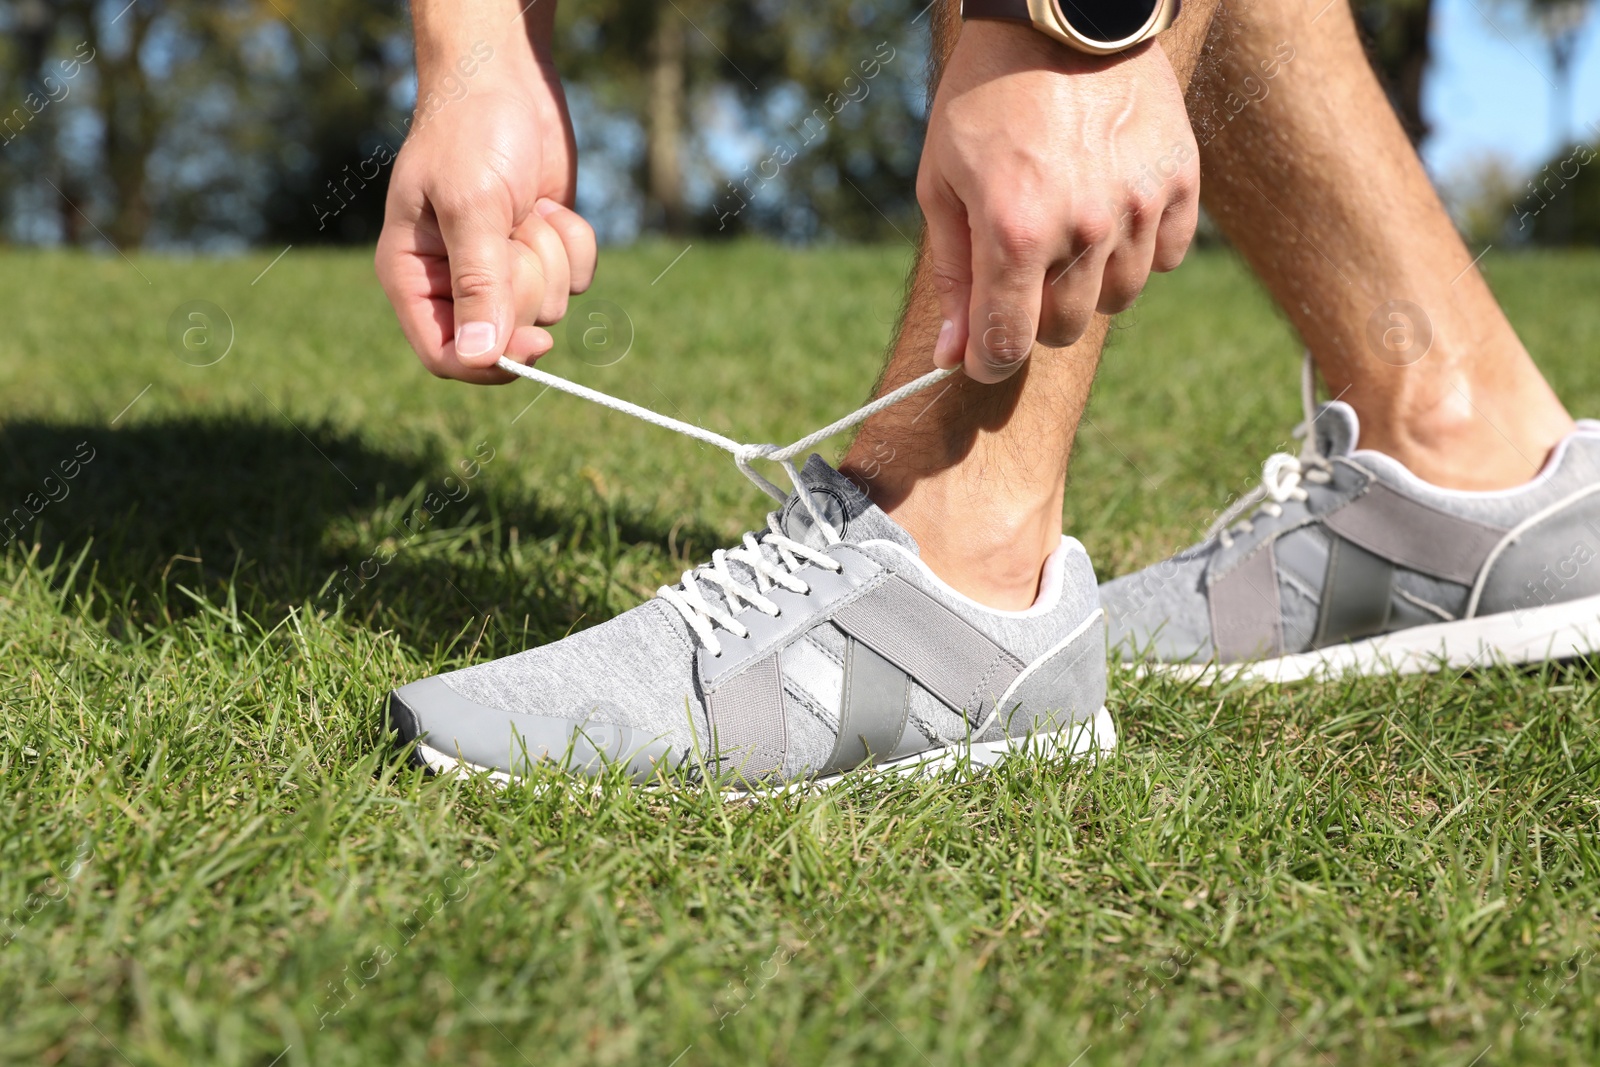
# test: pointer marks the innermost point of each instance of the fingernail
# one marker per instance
(475, 339)
(545, 206)
(941, 347)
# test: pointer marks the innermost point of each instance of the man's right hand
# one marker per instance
(1053, 183)
(480, 246)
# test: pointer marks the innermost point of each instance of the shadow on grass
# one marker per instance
(288, 519)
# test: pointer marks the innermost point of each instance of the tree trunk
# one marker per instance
(667, 77)
(130, 123)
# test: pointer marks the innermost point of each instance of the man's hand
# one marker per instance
(1053, 183)
(480, 246)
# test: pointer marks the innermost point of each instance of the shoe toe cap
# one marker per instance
(449, 726)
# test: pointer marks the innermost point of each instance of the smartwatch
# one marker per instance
(1098, 27)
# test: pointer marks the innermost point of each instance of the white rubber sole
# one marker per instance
(1551, 632)
(1084, 739)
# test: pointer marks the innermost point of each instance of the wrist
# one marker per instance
(470, 39)
(1018, 45)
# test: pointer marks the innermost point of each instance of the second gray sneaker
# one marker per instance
(804, 652)
(1351, 563)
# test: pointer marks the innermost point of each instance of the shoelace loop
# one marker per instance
(1282, 473)
(689, 600)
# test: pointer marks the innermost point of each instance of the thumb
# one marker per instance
(949, 251)
(476, 240)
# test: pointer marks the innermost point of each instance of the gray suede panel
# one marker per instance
(812, 730)
(814, 680)
(1303, 553)
(1385, 521)
(1244, 608)
(930, 642)
(1298, 623)
(931, 724)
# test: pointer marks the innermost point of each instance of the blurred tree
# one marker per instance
(1559, 23)
(1398, 43)
(189, 121)
(775, 94)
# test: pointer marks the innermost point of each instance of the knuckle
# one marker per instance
(1004, 339)
(1141, 207)
(1093, 226)
(554, 309)
(473, 283)
(1017, 240)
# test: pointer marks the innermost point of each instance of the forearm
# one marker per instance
(453, 37)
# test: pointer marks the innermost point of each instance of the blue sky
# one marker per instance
(1488, 91)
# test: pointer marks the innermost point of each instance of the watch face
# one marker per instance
(1107, 22)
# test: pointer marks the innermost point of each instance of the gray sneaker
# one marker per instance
(1351, 563)
(808, 650)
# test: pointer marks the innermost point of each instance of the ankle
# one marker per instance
(986, 549)
(1475, 441)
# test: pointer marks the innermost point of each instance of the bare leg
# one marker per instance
(977, 473)
(1314, 182)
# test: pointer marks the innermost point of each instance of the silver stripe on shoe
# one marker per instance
(873, 713)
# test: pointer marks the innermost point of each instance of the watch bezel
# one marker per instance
(1046, 15)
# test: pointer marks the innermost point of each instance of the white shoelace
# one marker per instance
(1282, 473)
(788, 555)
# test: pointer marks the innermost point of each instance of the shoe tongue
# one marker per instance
(843, 505)
(1337, 429)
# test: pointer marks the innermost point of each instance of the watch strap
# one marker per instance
(1015, 10)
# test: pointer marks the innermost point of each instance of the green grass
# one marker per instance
(212, 857)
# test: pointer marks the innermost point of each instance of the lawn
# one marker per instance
(213, 856)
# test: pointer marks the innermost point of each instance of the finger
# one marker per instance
(483, 307)
(1071, 290)
(528, 343)
(577, 237)
(1176, 231)
(543, 276)
(949, 251)
(1008, 260)
(1128, 267)
(404, 274)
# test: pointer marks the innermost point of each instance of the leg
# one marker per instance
(1315, 183)
(977, 474)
